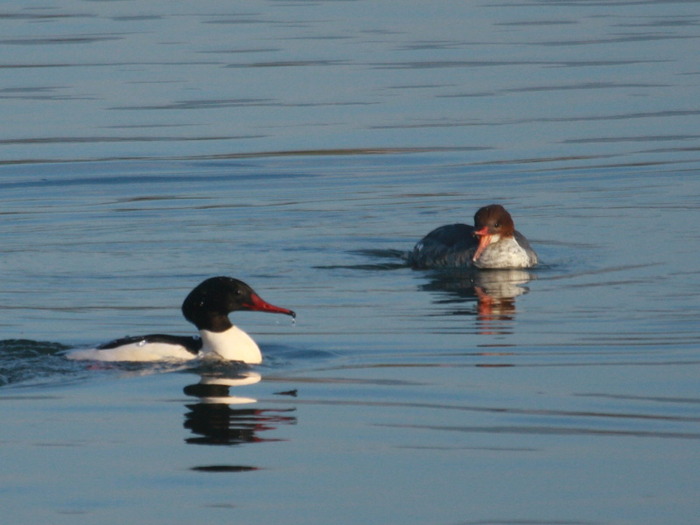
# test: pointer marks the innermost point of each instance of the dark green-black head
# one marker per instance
(210, 303)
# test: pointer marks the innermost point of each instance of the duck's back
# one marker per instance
(452, 245)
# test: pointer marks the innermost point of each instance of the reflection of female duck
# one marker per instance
(499, 245)
(207, 307)
(461, 284)
(507, 284)
(495, 293)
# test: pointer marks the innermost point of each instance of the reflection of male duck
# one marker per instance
(214, 421)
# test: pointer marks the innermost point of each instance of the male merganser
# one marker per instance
(499, 245)
(207, 307)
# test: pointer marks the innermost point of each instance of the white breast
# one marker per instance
(505, 253)
(232, 345)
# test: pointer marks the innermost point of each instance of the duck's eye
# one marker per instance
(497, 225)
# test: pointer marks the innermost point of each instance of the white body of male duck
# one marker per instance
(207, 307)
(492, 243)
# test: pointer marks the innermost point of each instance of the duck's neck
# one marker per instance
(232, 344)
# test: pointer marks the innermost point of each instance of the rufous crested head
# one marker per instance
(494, 219)
(491, 223)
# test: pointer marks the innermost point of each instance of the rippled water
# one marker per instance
(304, 147)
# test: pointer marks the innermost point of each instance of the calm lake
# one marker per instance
(304, 147)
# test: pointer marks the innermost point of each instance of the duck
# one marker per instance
(207, 307)
(492, 243)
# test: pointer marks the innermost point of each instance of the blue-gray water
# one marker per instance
(302, 147)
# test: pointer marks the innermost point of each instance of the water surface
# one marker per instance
(303, 147)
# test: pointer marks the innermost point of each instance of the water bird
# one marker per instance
(492, 243)
(207, 307)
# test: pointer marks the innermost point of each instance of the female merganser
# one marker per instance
(499, 245)
(207, 307)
